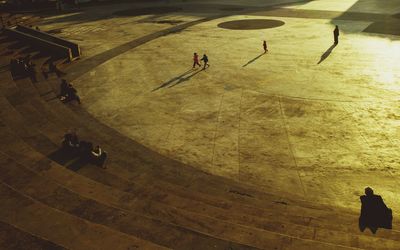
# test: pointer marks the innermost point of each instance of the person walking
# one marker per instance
(336, 34)
(265, 46)
(196, 60)
(205, 60)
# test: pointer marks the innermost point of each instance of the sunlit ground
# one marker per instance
(282, 122)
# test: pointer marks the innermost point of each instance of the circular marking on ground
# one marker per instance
(251, 24)
(147, 11)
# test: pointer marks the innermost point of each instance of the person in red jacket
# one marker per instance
(196, 60)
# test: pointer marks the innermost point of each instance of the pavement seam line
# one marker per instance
(217, 128)
(286, 126)
(239, 131)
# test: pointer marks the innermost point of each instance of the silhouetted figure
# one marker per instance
(374, 213)
(30, 69)
(70, 141)
(205, 60)
(196, 60)
(336, 34)
(71, 95)
(265, 46)
(99, 156)
(63, 89)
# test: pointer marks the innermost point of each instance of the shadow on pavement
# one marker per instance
(327, 53)
(177, 80)
(254, 59)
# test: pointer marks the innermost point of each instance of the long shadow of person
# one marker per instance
(184, 79)
(374, 212)
(327, 53)
(252, 60)
(177, 78)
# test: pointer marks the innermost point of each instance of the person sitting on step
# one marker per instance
(99, 156)
(71, 94)
(70, 140)
(63, 89)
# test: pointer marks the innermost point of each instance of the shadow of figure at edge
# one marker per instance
(69, 158)
(374, 212)
(254, 59)
(179, 79)
(327, 53)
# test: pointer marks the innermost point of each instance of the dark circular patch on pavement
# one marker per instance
(147, 11)
(231, 9)
(251, 24)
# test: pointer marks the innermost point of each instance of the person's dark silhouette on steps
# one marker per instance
(336, 34)
(63, 89)
(374, 213)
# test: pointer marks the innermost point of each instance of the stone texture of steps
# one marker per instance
(170, 170)
(317, 222)
(14, 116)
(12, 238)
(365, 242)
(268, 225)
(33, 185)
(55, 196)
(128, 175)
(24, 112)
(23, 87)
(61, 228)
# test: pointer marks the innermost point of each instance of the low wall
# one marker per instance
(75, 50)
(39, 43)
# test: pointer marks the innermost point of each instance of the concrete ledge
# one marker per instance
(75, 50)
(40, 43)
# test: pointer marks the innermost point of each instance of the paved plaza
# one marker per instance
(306, 119)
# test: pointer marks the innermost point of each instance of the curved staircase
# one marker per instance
(143, 199)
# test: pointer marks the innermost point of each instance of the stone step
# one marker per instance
(191, 179)
(121, 164)
(117, 182)
(245, 235)
(312, 215)
(12, 238)
(61, 228)
(53, 195)
(312, 211)
(281, 227)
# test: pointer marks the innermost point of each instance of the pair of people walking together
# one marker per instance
(196, 61)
